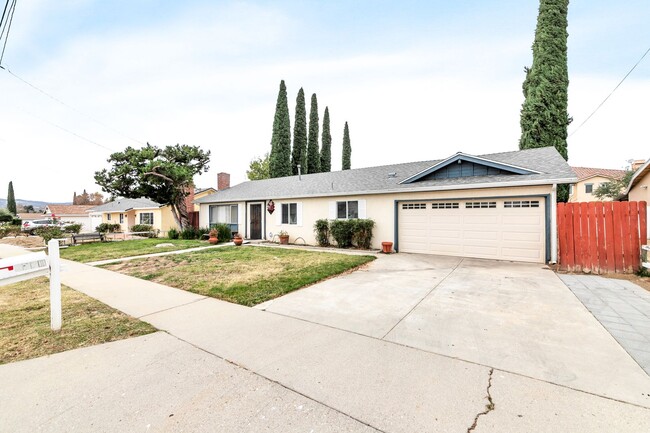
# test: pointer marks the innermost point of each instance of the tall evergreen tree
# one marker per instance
(299, 155)
(280, 158)
(11, 199)
(313, 154)
(544, 118)
(326, 146)
(347, 149)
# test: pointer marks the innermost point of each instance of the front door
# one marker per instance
(256, 221)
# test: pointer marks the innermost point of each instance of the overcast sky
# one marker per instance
(416, 80)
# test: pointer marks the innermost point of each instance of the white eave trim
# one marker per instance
(637, 174)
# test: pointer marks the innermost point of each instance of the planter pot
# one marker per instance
(386, 247)
(238, 241)
(213, 240)
(284, 240)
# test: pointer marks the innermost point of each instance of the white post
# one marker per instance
(55, 284)
(554, 224)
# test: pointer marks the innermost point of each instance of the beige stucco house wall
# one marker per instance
(639, 189)
(163, 219)
(578, 192)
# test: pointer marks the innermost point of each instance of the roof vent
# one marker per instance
(392, 174)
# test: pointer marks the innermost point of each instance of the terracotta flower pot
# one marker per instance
(238, 241)
(284, 240)
(386, 247)
(213, 240)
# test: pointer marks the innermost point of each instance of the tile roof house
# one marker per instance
(77, 214)
(500, 205)
(589, 179)
(128, 212)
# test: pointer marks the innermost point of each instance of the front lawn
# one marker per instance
(25, 321)
(244, 275)
(91, 252)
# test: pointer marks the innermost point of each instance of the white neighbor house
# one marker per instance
(498, 206)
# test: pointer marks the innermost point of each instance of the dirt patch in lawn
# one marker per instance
(244, 275)
(24, 241)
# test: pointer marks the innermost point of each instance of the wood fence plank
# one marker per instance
(609, 236)
(584, 236)
(561, 234)
(635, 245)
(643, 221)
(627, 236)
(600, 226)
(570, 251)
(593, 233)
(618, 237)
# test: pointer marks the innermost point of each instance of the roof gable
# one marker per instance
(584, 173)
(463, 165)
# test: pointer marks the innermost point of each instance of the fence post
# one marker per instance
(55, 284)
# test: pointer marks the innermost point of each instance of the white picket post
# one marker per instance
(55, 284)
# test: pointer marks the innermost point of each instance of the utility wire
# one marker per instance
(610, 93)
(9, 20)
(54, 98)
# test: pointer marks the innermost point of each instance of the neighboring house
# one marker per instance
(637, 190)
(128, 212)
(498, 206)
(30, 216)
(76, 214)
(589, 179)
(200, 193)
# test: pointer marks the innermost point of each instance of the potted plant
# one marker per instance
(213, 239)
(284, 237)
(237, 239)
(387, 247)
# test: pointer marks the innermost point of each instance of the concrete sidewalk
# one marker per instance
(364, 381)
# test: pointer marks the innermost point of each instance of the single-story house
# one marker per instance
(200, 193)
(76, 214)
(637, 190)
(497, 206)
(589, 179)
(128, 212)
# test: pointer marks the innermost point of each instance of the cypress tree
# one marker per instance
(347, 149)
(313, 154)
(326, 147)
(544, 118)
(299, 155)
(280, 159)
(11, 199)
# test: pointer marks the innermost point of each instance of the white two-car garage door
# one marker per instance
(502, 229)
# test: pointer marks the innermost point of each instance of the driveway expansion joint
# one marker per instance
(489, 407)
(171, 308)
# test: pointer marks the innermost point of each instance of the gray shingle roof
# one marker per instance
(125, 204)
(375, 180)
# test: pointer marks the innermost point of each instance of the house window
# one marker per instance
(146, 218)
(347, 209)
(571, 189)
(444, 205)
(481, 205)
(589, 187)
(108, 217)
(289, 213)
(225, 214)
(121, 218)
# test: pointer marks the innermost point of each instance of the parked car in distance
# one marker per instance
(31, 226)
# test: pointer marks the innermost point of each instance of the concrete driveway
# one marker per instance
(514, 317)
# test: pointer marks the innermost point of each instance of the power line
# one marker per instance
(54, 98)
(9, 20)
(610, 93)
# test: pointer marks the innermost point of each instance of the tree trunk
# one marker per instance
(179, 209)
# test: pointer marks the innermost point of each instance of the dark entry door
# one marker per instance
(256, 221)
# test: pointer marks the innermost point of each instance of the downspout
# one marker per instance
(554, 224)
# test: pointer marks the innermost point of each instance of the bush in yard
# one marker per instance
(342, 231)
(362, 232)
(203, 231)
(9, 230)
(16, 222)
(5, 217)
(189, 233)
(322, 230)
(145, 228)
(223, 232)
(72, 228)
(108, 228)
(49, 233)
(173, 234)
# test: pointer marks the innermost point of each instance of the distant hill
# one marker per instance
(20, 202)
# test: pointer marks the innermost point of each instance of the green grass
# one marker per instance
(25, 322)
(244, 275)
(91, 252)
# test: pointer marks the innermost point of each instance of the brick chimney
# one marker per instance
(223, 181)
(190, 198)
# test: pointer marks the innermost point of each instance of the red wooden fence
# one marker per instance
(601, 237)
(194, 219)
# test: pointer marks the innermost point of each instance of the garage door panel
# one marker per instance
(506, 232)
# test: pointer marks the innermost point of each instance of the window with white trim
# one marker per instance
(480, 205)
(347, 209)
(589, 187)
(289, 213)
(439, 205)
(224, 214)
(414, 205)
(521, 203)
(146, 218)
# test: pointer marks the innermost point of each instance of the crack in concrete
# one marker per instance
(489, 407)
